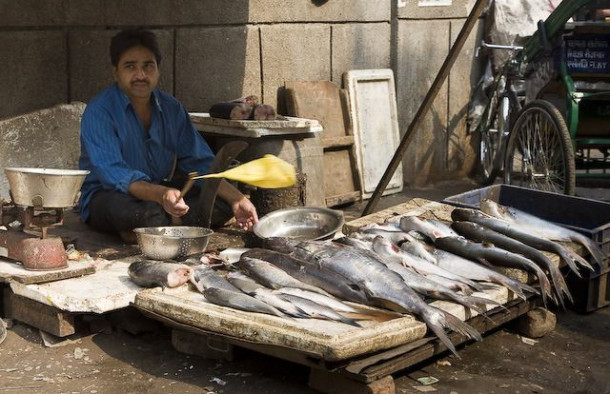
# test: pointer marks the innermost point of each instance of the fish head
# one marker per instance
(492, 208)
(280, 244)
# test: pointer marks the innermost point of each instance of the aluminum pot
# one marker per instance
(172, 242)
(303, 223)
(45, 187)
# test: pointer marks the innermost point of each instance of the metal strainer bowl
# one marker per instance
(172, 242)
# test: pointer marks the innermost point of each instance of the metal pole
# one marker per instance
(425, 106)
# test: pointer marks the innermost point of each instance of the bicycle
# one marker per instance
(494, 127)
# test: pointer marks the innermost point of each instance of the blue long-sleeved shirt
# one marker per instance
(118, 151)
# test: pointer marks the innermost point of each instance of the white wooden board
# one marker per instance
(372, 99)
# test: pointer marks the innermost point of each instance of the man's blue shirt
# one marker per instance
(118, 151)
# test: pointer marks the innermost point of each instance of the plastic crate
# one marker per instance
(589, 217)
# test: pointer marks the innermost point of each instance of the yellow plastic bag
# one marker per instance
(268, 172)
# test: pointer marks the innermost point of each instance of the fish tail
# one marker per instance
(349, 321)
(436, 324)
(561, 287)
(591, 246)
(459, 326)
(519, 288)
(569, 259)
(580, 260)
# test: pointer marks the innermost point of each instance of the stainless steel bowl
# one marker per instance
(45, 187)
(304, 223)
(172, 242)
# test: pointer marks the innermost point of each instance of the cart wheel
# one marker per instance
(494, 130)
(539, 153)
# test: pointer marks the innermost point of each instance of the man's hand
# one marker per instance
(173, 204)
(168, 198)
(245, 214)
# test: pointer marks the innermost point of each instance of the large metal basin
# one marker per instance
(45, 187)
(303, 223)
(172, 242)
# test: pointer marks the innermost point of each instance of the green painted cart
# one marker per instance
(547, 121)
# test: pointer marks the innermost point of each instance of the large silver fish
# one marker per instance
(479, 233)
(263, 294)
(542, 228)
(311, 274)
(382, 286)
(217, 290)
(475, 271)
(287, 302)
(514, 231)
(272, 276)
(386, 249)
(432, 229)
(495, 256)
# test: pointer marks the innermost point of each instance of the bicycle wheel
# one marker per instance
(493, 132)
(539, 153)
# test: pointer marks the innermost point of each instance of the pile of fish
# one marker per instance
(397, 266)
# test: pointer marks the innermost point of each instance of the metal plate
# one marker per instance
(306, 223)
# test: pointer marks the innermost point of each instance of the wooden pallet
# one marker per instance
(370, 373)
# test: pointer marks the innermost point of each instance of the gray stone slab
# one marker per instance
(422, 48)
(461, 147)
(34, 70)
(283, 125)
(48, 138)
(296, 52)
(90, 67)
(36, 13)
(308, 11)
(433, 9)
(216, 64)
(359, 46)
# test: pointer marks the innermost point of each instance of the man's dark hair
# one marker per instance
(127, 39)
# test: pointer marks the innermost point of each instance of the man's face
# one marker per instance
(137, 73)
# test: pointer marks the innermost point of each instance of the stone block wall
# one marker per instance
(56, 51)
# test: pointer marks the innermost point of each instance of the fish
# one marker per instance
(149, 273)
(318, 298)
(218, 290)
(433, 289)
(263, 294)
(479, 233)
(272, 276)
(543, 228)
(513, 231)
(311, 274)
(417, 248)
(475, 271)
(432, 229)
(390, 251)
(495, 256)
(315, 310)
(382, 286)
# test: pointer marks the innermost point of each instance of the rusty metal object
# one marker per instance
(33, 252)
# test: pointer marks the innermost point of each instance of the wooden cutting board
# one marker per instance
(325, 102)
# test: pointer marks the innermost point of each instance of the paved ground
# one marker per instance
(107, 357)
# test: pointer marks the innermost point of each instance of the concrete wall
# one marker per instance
(56, 51)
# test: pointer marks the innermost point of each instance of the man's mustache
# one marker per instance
(140, 81)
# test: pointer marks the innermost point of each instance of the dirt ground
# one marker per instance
(109, 355)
